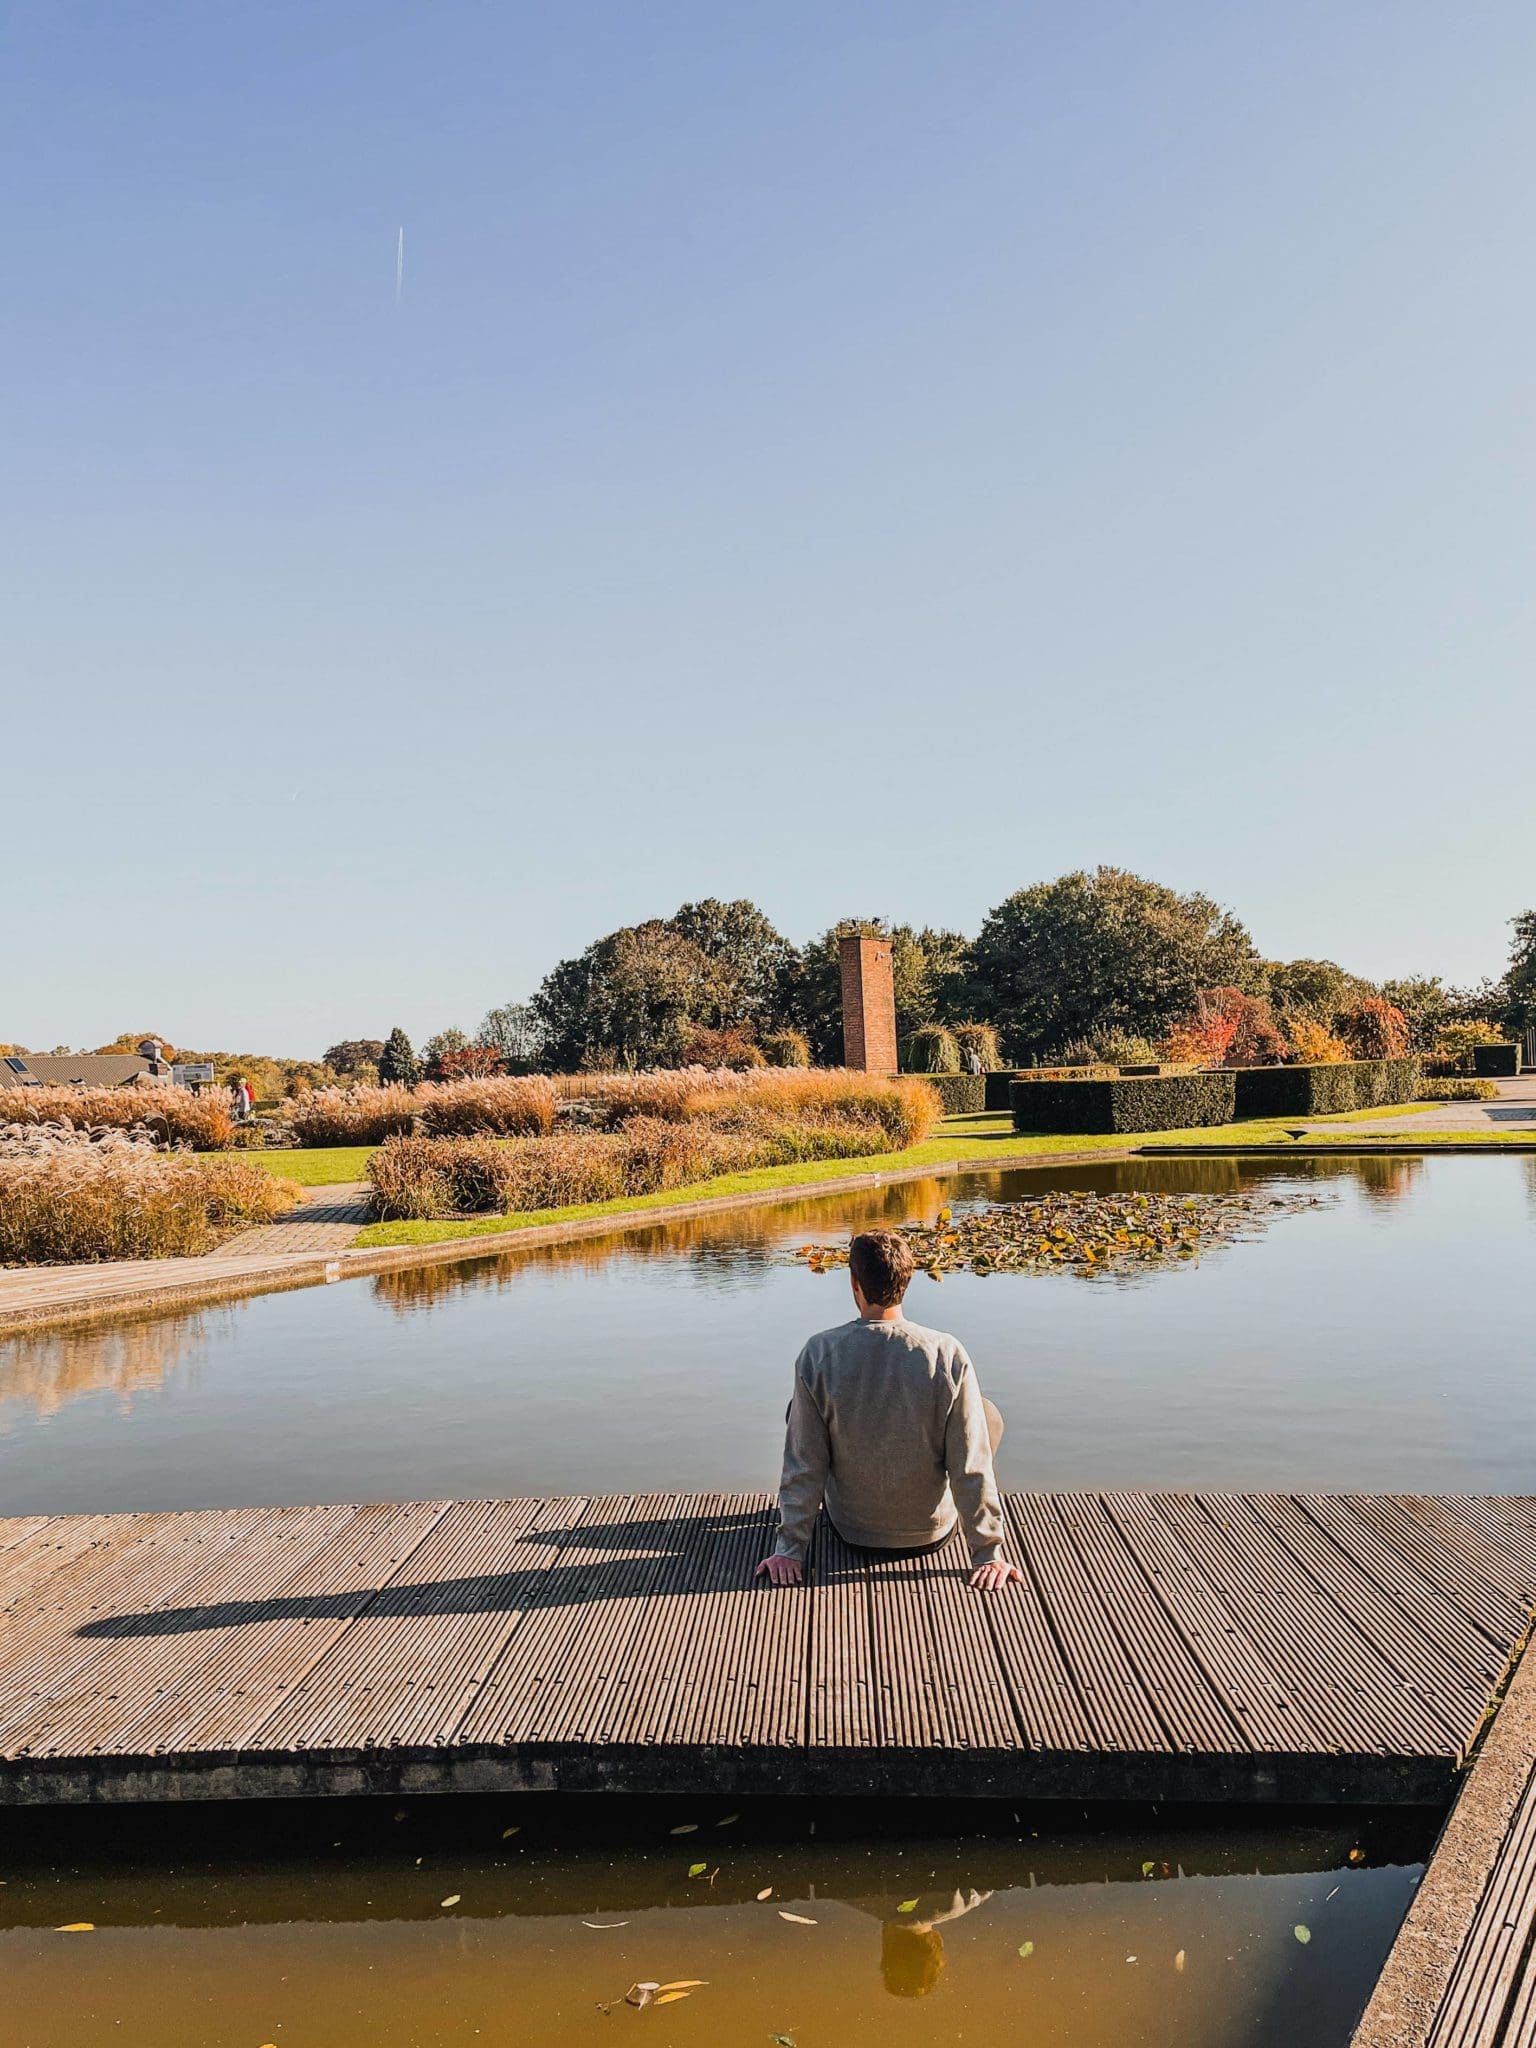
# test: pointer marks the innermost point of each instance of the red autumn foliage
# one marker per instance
(1227, 1029)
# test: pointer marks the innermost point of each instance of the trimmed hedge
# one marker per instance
(1496, 1060)
(1327, 1089)
(961, 1094)
(998, 1088)
(1152, 1102)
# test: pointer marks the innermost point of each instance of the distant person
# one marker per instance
(239, 1100)
(888, 1426)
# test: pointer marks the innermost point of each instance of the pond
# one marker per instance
(1372, 1332)
(1379, 1339)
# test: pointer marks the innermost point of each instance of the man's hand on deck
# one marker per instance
(782, 1571)
(991, 1578)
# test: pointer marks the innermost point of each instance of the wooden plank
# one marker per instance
(1472, 2012)
(842, 1712)
(1452, 1566)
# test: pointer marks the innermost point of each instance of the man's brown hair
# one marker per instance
(881, 1262)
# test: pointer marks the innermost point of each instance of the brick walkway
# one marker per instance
(328, 1223)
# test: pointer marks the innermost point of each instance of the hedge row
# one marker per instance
(1498, 1059)
(961, 1094)
(1151, 1102)
(1327, 1089)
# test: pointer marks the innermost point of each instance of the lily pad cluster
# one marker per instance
(1076, 1231)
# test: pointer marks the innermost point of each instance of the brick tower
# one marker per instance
(869, 1005)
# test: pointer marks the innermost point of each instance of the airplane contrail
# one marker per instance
(399, 265)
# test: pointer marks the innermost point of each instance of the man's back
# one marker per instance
(886, 1423)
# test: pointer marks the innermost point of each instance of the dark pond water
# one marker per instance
(1379, 1338)
(329, 1929)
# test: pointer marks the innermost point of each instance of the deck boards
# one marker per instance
(1162, 1645)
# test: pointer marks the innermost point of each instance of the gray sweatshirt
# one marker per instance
(886, 1425)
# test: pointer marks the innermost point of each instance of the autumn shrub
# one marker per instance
(1374, 1030)
(1458, 1088)
(732, 1046)
(498, 1106)
(933, 1049)
(1312, 1043)
(786, 1048)
(1456, 1042)
(353, 1116)
(469, 1063)
(1226, 1028)
(904, 1107)
(172, 1116)
(71, 1194)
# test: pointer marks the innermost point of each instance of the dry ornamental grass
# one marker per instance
(172, 1116)
(69, 1195)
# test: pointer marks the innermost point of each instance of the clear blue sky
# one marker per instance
(862, 457)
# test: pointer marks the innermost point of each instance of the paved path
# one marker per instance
(328, 1222)
(1162, 1646)
(1514, 1111)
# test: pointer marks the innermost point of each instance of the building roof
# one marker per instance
(74, 1069)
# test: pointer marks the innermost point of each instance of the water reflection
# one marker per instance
(44, 1371)
(437, 1922)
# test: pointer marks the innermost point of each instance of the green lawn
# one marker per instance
(321, 1168)
(991, 1138)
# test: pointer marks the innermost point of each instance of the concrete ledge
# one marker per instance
(1417, 1972)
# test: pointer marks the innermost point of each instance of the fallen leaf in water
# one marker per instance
(907, 1906)
(1147, 1869)
(1356, 1856)
(670, 1997)
(508, 1833)
(1026, 1948)
(689, 1827)
(697, 1869)
(781, 2041)
(77, 1927)
(1302, 1934)
(682, 1984)
(602, 1925)
(1130, 1959)
(729, 1821)
(766, 1892)
(453, 1898)
(640, 1994)
(1178, 1961)
(400, 1815)
(799, 1919)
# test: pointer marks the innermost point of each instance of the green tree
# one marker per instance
(352, 1053)
(1313, 988)
(1090, 952)
(755, 962)
(1519, 991)
(1426, 1003)
(439, 1044)
(513, 1031)
(398, 1062)
(629, 999)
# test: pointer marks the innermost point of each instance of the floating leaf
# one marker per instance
(77, 1927)
(453, 1898)
(670, 1997)
(1178, 1962)
(1302, 1934)
(766, 1892)
(1356, 1856)
(697, 1869)
(640, 1994)
(602, 1926)
(799, 1919)
(907, 1906)
(689, 1827)
(681, 1984)
(508, 1833)
(1147, 1868)
(1026, 1948)
(781, 2041)
(729, 1821)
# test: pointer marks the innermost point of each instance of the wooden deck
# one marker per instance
(1165, 1646)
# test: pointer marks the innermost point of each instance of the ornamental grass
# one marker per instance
(172, 1116)
(352, 1116)
(416, 1178)
(905, 1107)
(70, 1194)
(504, 1108)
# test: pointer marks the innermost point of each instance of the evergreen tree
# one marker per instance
(398, 1062)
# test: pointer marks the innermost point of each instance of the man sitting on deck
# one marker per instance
(888, 1425)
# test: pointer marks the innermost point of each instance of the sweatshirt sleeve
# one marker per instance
(807, 1455)
(968, 1461)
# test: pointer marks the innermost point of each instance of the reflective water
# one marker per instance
(1380, 1339)
(329, 1929)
